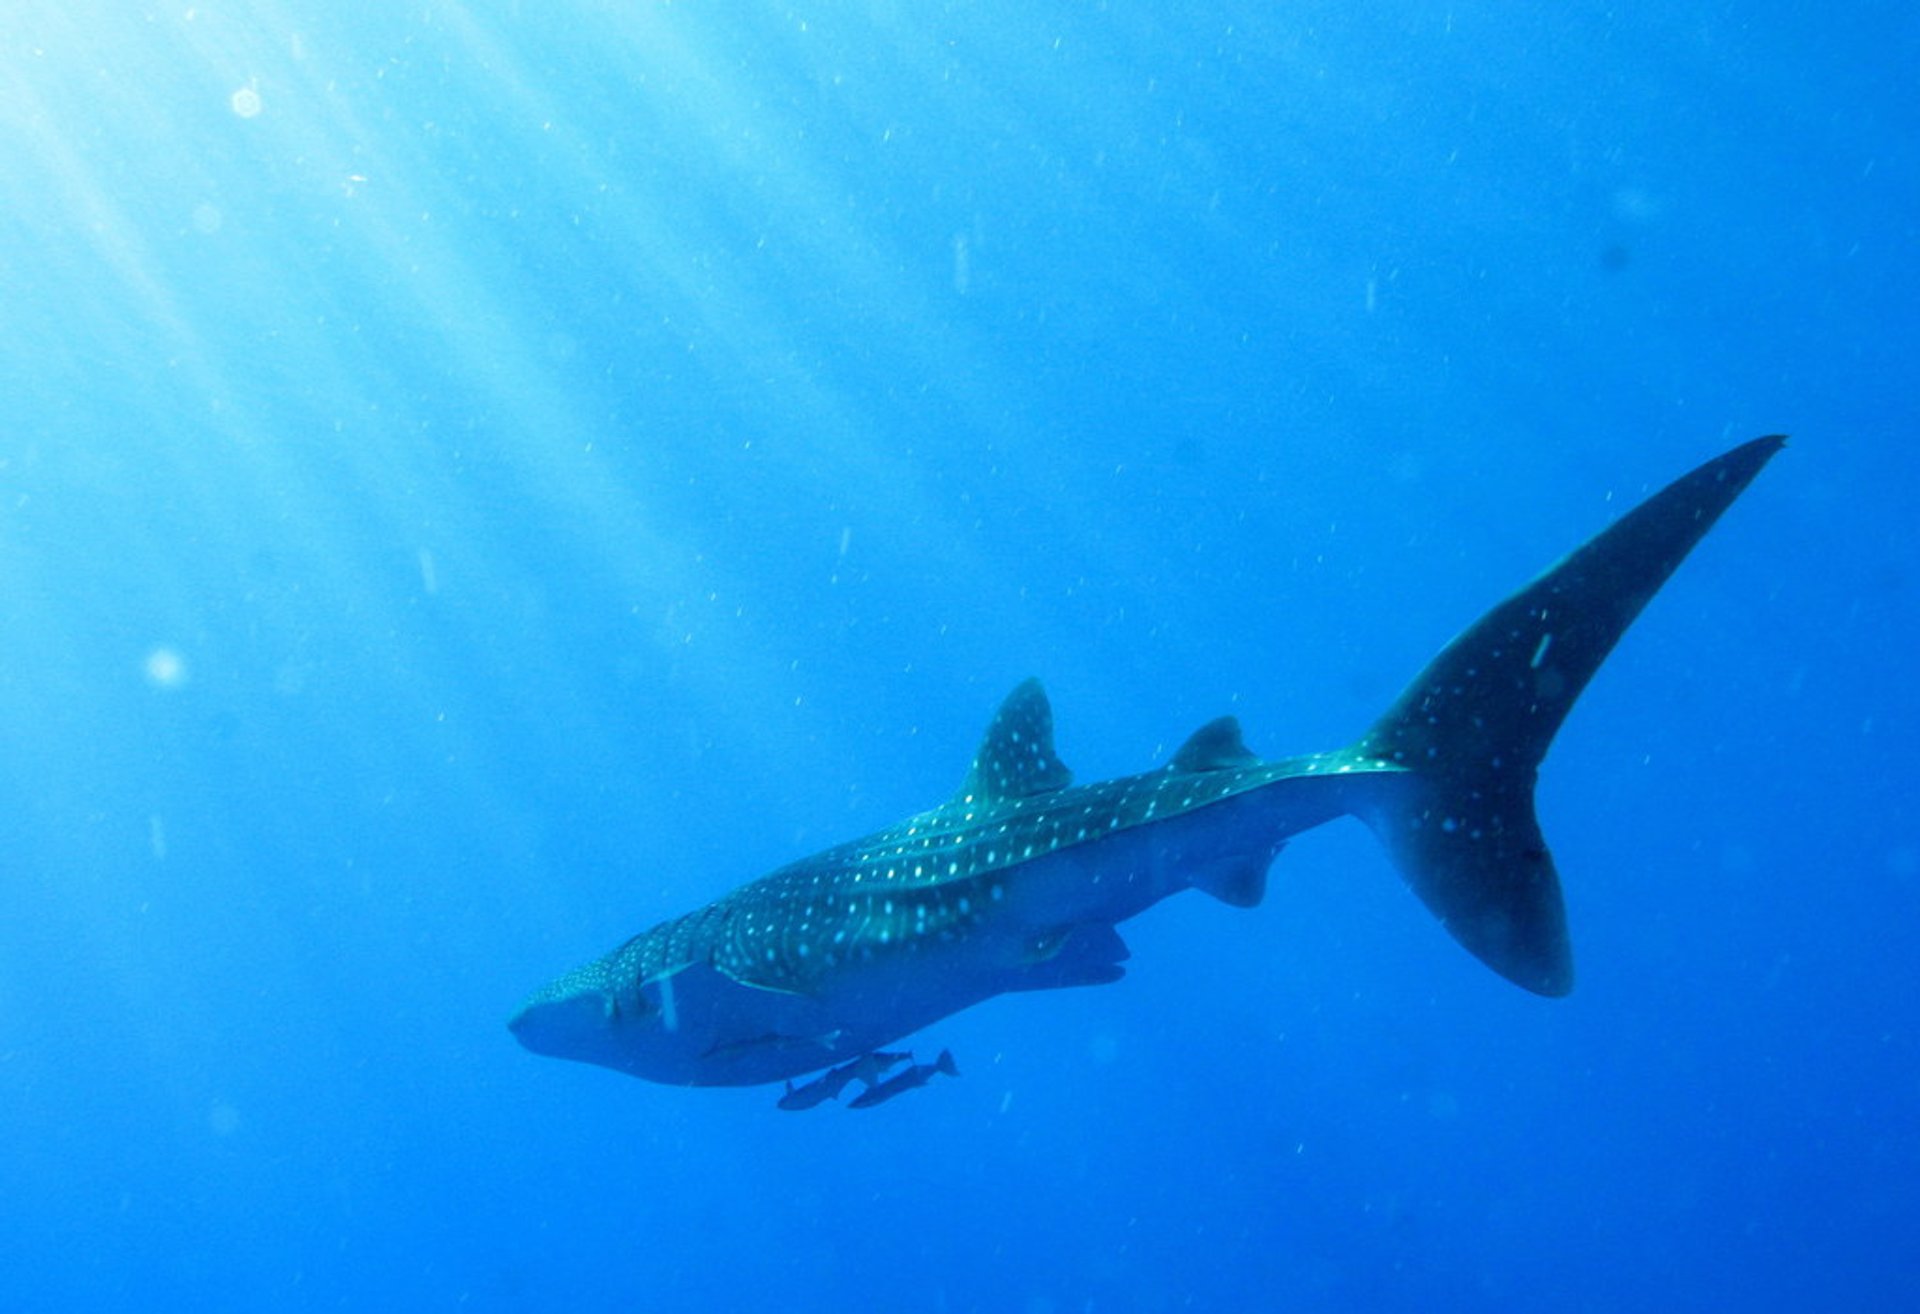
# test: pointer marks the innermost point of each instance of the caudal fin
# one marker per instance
(1471, 729)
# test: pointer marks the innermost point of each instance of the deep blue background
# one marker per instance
(555, 461)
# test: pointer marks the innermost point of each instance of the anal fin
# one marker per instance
(1239, 880)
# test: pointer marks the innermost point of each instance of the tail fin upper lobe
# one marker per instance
(1472, 728)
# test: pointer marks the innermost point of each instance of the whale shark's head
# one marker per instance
(692, 1026)
(588, 1017)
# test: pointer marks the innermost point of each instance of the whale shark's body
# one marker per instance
(1018, 881)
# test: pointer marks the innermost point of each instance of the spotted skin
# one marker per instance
(1018, 881)
(937, 874)
(992, 886)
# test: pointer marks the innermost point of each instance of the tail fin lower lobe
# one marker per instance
(1471, 730)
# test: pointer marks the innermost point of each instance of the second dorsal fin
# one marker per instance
(1215, 746)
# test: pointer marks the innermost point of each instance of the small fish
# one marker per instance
(917, 1075)
(868, 1068)
(805, 1096)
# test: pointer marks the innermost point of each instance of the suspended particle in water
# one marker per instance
(223, 1119)
(246, 103)
(166, 668)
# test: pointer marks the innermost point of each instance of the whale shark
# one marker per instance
(1019, 880)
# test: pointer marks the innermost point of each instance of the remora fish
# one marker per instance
(915, 1076)
(1018, 881)
(868, 1068)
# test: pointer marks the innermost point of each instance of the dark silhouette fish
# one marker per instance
(868, 1068)
(913, 1077)
(1018, 881)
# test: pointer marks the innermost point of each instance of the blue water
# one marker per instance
(478, 480)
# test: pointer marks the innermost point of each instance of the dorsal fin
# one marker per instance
(1215, 746)
(1016, 757)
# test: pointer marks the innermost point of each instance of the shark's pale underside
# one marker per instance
(1018, 880)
